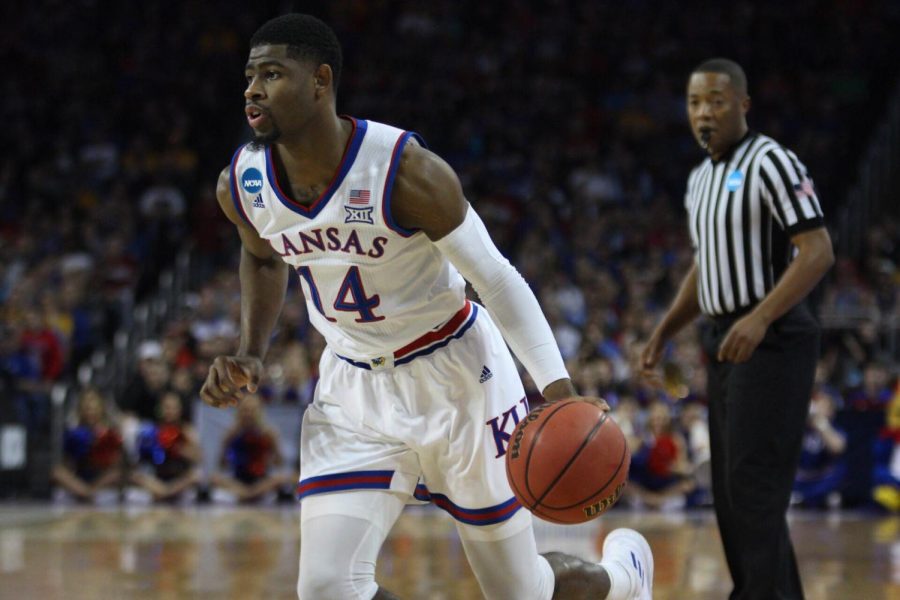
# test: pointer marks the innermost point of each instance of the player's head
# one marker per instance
(292, 75)
(717, 104)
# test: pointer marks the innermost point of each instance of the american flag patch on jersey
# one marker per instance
(804, 188)
(360, 197)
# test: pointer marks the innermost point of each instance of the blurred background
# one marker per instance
(566, 123)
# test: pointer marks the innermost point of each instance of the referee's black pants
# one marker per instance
(757, 412)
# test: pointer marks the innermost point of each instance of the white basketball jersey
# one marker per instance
(371, 286)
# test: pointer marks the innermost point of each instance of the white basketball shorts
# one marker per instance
(432, 422)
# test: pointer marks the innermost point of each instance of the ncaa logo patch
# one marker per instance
(252, 181)
(734, 181)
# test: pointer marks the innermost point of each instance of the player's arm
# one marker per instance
(429, 197)
(264, 278)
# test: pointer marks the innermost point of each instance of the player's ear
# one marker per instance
(745, 105)
(323, 76)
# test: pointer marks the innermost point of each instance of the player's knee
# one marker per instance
(498, 531)
(336, 581)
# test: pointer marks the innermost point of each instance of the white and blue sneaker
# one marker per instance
(629, 549)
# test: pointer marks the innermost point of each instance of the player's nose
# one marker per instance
(253, 90)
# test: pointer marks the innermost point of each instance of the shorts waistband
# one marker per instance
(453, 329)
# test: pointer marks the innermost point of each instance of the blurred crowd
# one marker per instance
(566, 124)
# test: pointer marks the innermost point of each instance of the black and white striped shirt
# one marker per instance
(742, 211)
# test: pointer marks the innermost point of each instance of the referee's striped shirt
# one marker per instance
(742, 211)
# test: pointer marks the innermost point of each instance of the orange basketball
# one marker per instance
(567, 461)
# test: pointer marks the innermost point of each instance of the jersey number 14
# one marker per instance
(351, 296)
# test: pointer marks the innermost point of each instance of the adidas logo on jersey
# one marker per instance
(485, 374)
(258, 202)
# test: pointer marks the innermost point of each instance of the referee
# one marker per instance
(760, 246)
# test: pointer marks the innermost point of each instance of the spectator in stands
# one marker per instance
(183, 383)
(143, 392)
(821, 470)
(21, 373)
(251, 454)
(627, 415)
(875, 391)
(660, 474)
(288, 375)
(211, 326)
(76, 223)
(886, 475)
(694, 426)
(92, 451)
(169, 452)
(39, 340)
(118, 278)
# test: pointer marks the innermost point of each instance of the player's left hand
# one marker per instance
(742, 339)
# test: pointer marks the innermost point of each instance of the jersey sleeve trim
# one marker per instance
(389, 183)
(235, 194)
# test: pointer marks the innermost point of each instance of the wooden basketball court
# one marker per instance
(245, 553)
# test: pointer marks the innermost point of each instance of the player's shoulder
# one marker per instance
(241, 155)
(419, 167)
(424, 179)
(427, 194)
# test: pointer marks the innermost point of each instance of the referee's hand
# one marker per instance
(650, 356)
(742, 339)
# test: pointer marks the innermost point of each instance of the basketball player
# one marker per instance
(418, 393)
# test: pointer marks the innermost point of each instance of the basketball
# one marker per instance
(567, 461)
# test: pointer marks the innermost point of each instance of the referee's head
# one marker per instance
(717, 104)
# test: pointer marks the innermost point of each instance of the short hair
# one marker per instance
(726, 67)
(306, 38)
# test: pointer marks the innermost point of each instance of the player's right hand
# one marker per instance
(231, 378)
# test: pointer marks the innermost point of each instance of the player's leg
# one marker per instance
(464, 471)
(507, 565)
(355, 478)
(340, 537)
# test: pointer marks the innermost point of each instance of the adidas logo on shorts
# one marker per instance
(258, 202)
(485, 374)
